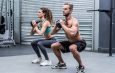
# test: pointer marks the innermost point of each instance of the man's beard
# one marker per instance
(66, 15)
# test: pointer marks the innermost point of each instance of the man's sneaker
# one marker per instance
(37, 60)
(46, 63)
(59, 66)
(80, 69)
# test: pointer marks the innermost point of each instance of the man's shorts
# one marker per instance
(81, 45)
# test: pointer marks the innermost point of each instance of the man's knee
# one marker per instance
(73, 48)
(55, 45)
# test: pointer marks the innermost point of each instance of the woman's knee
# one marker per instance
(33, 43)
(40, 43)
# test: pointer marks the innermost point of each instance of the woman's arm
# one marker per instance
(55, 30)
(43, 29)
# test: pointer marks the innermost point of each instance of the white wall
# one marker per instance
(17, 20)
(96, 26)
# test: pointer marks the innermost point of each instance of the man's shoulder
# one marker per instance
(75, 20)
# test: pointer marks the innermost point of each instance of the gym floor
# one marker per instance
(17, 59)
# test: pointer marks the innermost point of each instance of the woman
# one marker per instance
(44, 26)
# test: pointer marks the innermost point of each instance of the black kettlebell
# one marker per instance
(58, 24)
(36, 22)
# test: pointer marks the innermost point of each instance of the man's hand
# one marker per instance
(59, 23)
(72, 31)
(62, 22)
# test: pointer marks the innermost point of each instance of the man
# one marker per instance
(74, 44)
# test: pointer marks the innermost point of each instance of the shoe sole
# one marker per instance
(80, 71)
(59, 67)
(45, 65)
(35, 63)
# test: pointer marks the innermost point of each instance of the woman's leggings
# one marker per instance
(42, 44)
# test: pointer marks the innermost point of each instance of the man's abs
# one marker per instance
(73, 38)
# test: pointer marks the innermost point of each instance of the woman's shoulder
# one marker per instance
(47, 23)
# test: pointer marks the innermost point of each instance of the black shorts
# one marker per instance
(81, 45)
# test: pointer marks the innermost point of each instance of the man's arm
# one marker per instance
(71, 31)
(55, 30)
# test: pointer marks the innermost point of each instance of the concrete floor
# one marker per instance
(18, 60)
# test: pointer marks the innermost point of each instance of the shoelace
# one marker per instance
(80, 68)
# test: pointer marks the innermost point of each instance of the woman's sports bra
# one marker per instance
(48, 29)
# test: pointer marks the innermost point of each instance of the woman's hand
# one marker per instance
(34, 23)
(34, 29)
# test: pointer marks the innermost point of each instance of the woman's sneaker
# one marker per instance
(37, 60)
(80, 69)
(59, 66)
(46, 63)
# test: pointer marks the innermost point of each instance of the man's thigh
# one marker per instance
(65, 46)
(81, 45)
